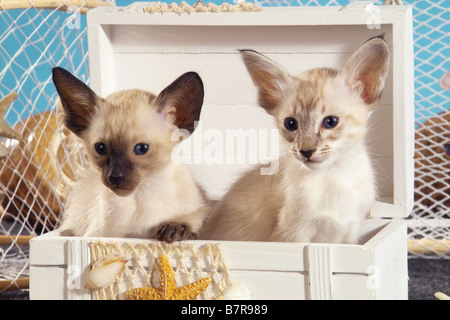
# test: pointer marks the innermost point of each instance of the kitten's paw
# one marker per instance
(174, 231)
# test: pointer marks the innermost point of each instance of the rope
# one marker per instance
(200, 6)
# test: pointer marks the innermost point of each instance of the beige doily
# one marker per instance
(190, 263)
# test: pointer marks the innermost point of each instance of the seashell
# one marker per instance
(105, 271)
(441, 296)
(444, 82)
(236, 291)
(40, 169)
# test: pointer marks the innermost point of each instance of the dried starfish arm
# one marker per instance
(192, 290)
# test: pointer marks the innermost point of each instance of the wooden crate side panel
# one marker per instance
(403, 71)
(390, 271)
(67, 258)
(58, 283)
(47, 283)
(48, 250)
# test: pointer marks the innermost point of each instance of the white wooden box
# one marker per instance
(129, 49)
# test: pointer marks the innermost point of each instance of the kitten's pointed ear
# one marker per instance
(77, 99)
(366, 70)
(270, 78)
(183, 100)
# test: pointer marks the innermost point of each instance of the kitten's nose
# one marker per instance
(116, 180)
(307, 153)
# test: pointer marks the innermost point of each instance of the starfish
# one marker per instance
(167, 289)
(6, 131)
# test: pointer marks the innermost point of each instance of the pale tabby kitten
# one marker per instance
(325, 184)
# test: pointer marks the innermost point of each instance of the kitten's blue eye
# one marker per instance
(330, 122)
(291, 124)
(141, 148)
(101, 148)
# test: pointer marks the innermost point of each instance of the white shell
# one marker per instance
(105, 271)
(441, 296)
(236, 291)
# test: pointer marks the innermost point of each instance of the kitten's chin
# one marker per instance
(121, 192)
(312, 164)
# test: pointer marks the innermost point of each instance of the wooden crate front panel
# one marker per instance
(374, 270)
